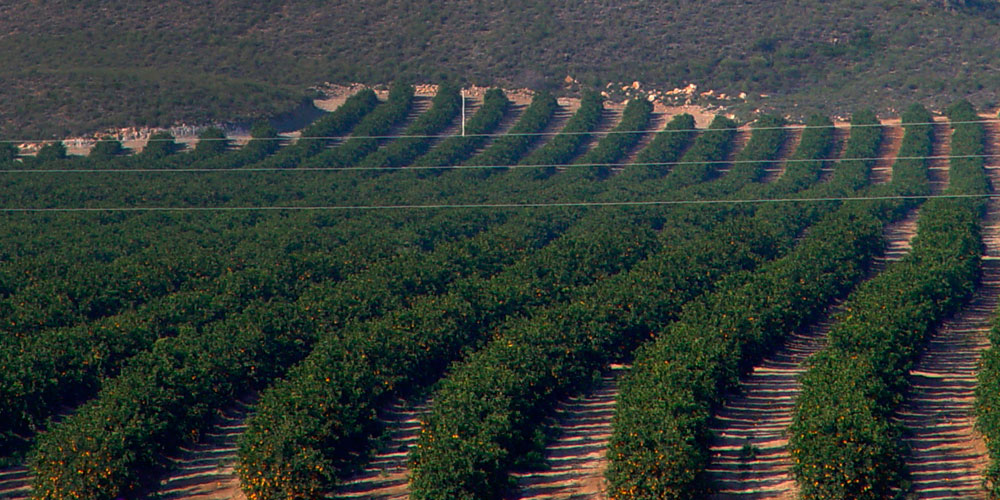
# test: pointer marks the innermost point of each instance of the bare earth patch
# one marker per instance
(15, 483)
(948, 456)
(577, 458)
(892, 140)
(206, 470)
(386, 477)
(750, 458)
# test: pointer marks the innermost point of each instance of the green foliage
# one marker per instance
(455, 150)
(844, 440)
(106, 148)
(988, 408)
(667, 147)
(322, 415)
(445, 108)
(659, 448)
(508, 149)
(211, 142)
(566, 144)
(8, 151)
(374, 124)
(52, 151)
(337, 123)
(619, 141)
(489, 410)
(160, 145)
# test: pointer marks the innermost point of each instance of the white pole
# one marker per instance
(463, 112)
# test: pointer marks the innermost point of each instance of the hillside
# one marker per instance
(77, 66)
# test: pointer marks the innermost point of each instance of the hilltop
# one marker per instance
(75, 66)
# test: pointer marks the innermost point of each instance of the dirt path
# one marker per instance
(15, 483)
(471, 106)
(205, 471)
(657, 122)
(576, 458)
(775, 170)
(948, 456)
(841, 134)
(610, 116)
(562, 115)
(740, 141)
(506, 123)
(421, 104)
(386, 476)
(750, 457)
(940, 153)
(892, 139)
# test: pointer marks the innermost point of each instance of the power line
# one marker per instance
(494, 205)
(516, 134)
(483, 167)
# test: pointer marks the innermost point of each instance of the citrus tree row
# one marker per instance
(489, 413)
(844, 441)
(64, 364)
(97, 287)
(378, 122)
(166, 424)
(447, 105)
(317, 423)
(457, 149)
(659, 446)
(597, 163)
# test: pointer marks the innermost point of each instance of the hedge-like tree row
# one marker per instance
(659, 447)
(844, 441)
(509, 148)
(363, 142)
(987, 413)
(563, 147)
(334, 124)
(455, 150)
(619, 141)
(446, 106)
(61, 367)
(988, 379)
(179, 423)
(316, 424)
(666, 147)
(490, 411)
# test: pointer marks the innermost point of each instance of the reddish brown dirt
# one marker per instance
(205, 471)
(15, 483)
(386, 476)
(756, 420)
(776, 169)
(892, 139)
(947, 455)
(576, 459)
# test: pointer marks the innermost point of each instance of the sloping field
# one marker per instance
(573, 300)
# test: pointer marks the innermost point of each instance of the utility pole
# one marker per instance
(463, 111)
